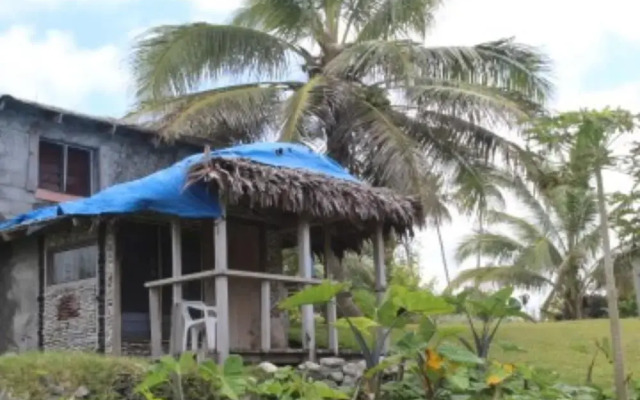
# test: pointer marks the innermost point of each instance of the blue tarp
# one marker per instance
(164, 191)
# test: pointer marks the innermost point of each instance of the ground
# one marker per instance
(549, 345)
(554, 345)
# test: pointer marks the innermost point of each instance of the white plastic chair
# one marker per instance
(193, 327)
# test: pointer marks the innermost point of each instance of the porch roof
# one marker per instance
(282, 177)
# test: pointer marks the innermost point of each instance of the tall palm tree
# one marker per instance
(555, 246)
(353, 74)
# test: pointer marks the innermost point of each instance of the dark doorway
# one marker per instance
(145, 250)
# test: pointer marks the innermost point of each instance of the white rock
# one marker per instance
(354, 369)
(268, 367)
(310, 366)
(336, 376)
(332, 362)
(81, 393)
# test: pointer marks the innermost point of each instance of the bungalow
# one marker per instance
(110, 272)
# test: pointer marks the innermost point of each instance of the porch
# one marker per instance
(235, 265)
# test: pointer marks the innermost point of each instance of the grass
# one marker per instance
(550, 345)
(39, 375)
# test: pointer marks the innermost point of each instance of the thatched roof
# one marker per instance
(245, 183)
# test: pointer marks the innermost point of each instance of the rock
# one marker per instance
(268, 367)
(81, 392)
(332, 362)
(354, 369)
(309, 366)
(349, 381)
(336, 376)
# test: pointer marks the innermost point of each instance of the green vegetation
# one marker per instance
(554, 345)
(41, 375)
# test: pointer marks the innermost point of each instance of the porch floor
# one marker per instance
(275, 356)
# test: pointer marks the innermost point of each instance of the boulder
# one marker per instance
(268, 367)
(332, 362)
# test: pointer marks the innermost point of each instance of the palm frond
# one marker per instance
(519, 72)
(177, 59)
(388, 19)
(473, 102)
(299, 107)
(499, 247)
(290, 20)
(226, 116)
(501, 276)
(526, 231)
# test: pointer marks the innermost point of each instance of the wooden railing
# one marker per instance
(308, 331)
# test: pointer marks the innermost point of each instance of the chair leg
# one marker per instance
(210, 331)
(185, 338)
(194, 339)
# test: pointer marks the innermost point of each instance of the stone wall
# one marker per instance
(109, 290)
(335, 371)
(71, 316)
(70, 319)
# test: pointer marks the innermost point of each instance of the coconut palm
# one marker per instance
(555, 245)
(354, 75)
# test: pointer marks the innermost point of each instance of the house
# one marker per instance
(49, 155)
(109, 272)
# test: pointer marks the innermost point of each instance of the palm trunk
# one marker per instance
(612, 298)
(481, 230)
(443, 254)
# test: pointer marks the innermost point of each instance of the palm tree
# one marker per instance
(354, 75)
(555, 246)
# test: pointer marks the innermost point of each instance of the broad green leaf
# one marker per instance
(426, 329)
(459, 379)
(324, 391)
(458, 354)
(318, 294)
(390, 361)
(423, 302)
(363, 324)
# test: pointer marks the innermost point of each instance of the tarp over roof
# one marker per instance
(164, 191)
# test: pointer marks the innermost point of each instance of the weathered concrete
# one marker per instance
(121, 155)
(19, 295)
(118, 157)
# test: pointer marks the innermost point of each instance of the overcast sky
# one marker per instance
(72, 53)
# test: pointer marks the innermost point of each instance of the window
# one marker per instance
(65, 169)
(72, 264)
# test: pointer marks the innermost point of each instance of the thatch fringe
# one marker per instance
(261, 187)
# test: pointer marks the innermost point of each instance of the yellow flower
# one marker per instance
(493, 380)
(434, 361)
(509, 368)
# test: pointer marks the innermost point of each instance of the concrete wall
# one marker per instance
(19, 295)
(119, 157)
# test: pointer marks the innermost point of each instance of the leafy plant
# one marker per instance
(399, 307)
(185, 379)
(288, 384)
(489, 309)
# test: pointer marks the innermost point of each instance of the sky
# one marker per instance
(74, 54)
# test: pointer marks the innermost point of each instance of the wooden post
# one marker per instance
(265, 316)
(332, 312)
(155, 317)
(222, 287)
(305, 267)
(380, 273)
(176, 268)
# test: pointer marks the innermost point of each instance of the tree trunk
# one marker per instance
(612, 297)
(443, 254)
